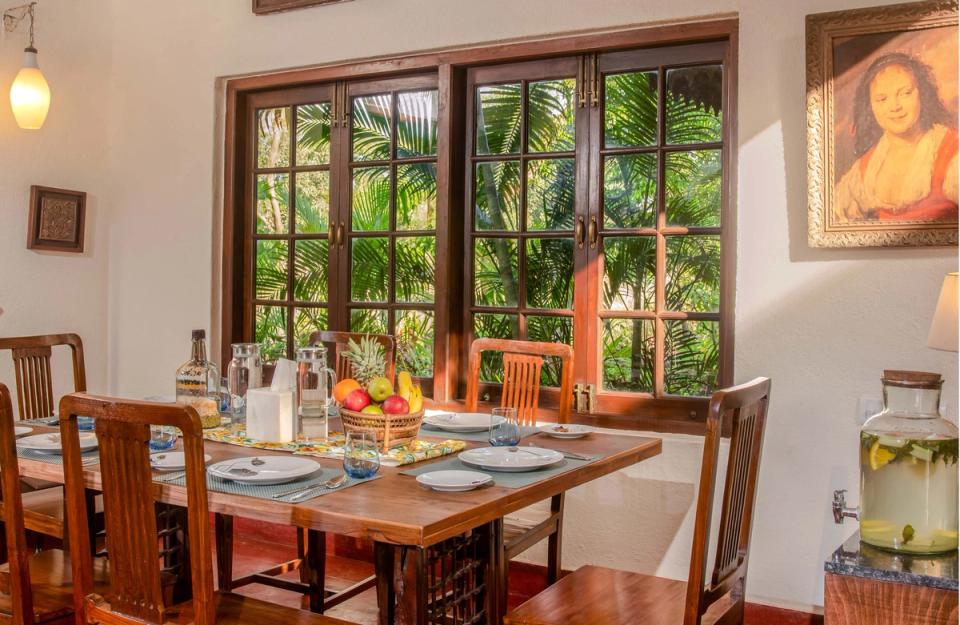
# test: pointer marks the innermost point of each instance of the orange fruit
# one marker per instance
(343, 388)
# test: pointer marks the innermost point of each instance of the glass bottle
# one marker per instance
(198, 382)
(908, 468)
(313, 391)
(243, 373)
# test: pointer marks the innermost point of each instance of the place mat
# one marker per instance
(480, 437)
(87, 457)
(507, 480)
(333, 446)
(177, 478)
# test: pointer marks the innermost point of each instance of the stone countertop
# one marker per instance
(861, 560)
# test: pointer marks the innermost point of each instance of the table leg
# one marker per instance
(384, 564)
(223, 530)
(313, 566)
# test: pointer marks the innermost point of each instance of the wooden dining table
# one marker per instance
(435, 552)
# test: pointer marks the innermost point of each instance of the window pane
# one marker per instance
(369, 258)
(272, 261)
(313, 201)
(415, 342)
(313, 134)
(694, 102)
(417, 196)
(693, 188)
(372, 127)
(497, 187)
(630, 109)
(414, 262)
(692, 357)
(417, 123)
(550, 115)
(270, 330)
(371, 199)
(273, 203)
(495, 272)
(498, 327)
(368, 321)
(549, 272)
(550, 193)
(693, 273)
(628, 355)
(629, 267)
(498, 119)
(630, 191)
(550, 330)
(306, 321)
(310, 270)
(273, 137)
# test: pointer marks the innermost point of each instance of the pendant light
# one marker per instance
(29, 94)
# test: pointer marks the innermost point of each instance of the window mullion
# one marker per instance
(661, 270)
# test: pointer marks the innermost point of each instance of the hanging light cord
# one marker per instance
(13, 17)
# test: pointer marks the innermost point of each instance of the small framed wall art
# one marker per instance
(882, 100)
(56, 220)
(265, 7)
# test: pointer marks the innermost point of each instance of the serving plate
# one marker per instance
(566, 430)
(20, 430)
(264, 470)
(172, 460)
(52, 444)
(461, 421)
(510, 459)
(453, 481)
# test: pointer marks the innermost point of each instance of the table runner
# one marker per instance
(507, 480)
(260, 491)
(332, 447)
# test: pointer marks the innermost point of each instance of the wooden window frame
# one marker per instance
(686, 415)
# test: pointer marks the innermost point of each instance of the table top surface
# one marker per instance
(861, 560)
(395, 508)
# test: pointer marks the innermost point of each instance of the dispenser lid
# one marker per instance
(911, 379)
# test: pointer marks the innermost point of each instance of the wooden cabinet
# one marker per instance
(853, 600)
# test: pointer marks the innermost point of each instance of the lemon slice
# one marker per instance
(880, 457)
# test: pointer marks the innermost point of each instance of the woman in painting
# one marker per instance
(906, 144)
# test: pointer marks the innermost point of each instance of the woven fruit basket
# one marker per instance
(392, 430)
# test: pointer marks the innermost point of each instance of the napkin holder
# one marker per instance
(271, 412)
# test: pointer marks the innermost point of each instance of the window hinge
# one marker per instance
(584, 397)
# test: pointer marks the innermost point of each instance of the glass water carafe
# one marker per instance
(315, 382)
(244, 372)
(908, 469)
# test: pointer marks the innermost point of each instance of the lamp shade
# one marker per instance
(30, 94)
(943, 328)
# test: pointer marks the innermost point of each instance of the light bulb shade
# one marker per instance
(943, 328)
(30, 94)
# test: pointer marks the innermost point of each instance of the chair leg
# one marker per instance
(223, 530)
(555, 542)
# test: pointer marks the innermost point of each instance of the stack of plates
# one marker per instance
(454, 481)
(52, 443)
(20, 430)
(511, 459)
(265, 470)
(461, 421)
(172, 461)
(565, 430)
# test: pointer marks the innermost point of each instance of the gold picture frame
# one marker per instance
(859, 194)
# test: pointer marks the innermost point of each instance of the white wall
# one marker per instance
(822, 324)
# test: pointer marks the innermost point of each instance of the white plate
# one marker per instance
(510, 459)
(573, 430)
(20, 430)
(461, 421)
(273, 470)
(454, 481)
(172, 460)
(50, 443)
(163, 399)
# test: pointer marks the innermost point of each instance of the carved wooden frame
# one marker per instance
(265, 7)
(57, 219)
(821, 30)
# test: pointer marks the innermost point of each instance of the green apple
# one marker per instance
(372, 409)
(380, 389)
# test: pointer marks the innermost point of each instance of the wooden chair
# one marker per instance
(135, 594)
(31, 583)
(522, 363)
(594, 594)
(42, 501)
(339, 340)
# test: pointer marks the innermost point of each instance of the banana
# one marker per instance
(404, 385)
(416, 399)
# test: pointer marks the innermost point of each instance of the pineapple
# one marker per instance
(368, 359)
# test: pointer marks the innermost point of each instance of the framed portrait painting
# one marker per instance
(882, 126)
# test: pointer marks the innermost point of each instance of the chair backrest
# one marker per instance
(339, 340)
(31, 364)
(522, 363)
(21, 593)
(123, 431)
(746, 406)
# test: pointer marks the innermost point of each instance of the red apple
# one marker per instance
(395, 405)
(357, 400)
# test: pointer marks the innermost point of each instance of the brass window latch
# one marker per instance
(584, 397)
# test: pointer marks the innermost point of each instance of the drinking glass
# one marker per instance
(507, 431)
(361, 458)
(162, 437)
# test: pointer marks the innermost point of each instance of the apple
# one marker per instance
(356, 400)
(380, 388)
(372, 409)
(396, 405)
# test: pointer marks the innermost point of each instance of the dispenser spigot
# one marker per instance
(840, 509)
